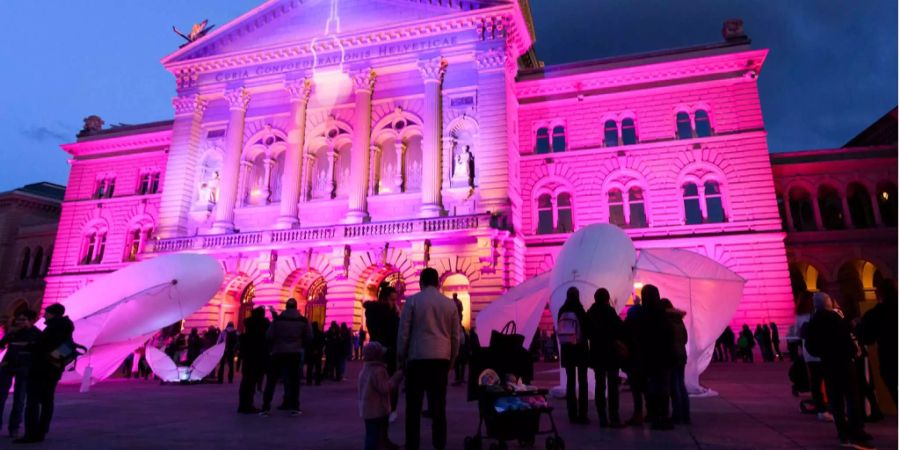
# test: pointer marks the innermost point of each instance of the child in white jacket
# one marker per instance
(375, 386)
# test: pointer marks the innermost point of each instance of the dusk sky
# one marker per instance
(831, 70)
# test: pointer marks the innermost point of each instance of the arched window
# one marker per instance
(36, 262)
(545, 214)
(559, 138)
(830, 208)
(629, 134)
(93, 248)
(715, 212)
(542, 145)
(701, 123)
(801, 207)
(860, 204)
(683, 123)
(134, 242)
(692, 213)
(638, 218)
(887, 203)
(616, 208)
(610, 133)
(26, 261)
(564, 222)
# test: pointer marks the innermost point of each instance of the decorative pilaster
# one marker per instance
(432, 75)
(306, 174)
(184, 155)
(238, 101)
(786, 201)
(293, 160)
(243, 179)
(375, 162)
(363, 85)
(876, 208)
(400, 173)
(817, 214)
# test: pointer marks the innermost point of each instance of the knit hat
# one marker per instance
(373, 351)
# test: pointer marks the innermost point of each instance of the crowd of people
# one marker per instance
(765, 337)
(649, 345)
(33, 365)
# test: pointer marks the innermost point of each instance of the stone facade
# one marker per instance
(28, 218)
(319, 165)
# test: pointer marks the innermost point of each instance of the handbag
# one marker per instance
(507, 339)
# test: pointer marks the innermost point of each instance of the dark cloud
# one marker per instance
(44, 134)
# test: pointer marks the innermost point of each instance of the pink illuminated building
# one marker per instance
(317, 163)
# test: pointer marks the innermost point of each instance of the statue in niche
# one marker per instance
(209, 191)
(464, 168)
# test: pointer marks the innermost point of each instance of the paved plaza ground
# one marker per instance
(755, 410)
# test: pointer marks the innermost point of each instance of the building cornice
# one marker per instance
(118, 144)
(740, 64)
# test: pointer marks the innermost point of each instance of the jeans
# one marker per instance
(577, 406)
(252, 373)
(376, 432)
(39, 405)
(21, 384)
(288, 366)
(681, 403)
(843, 399)
(427, 377)
(606, 384)
(227, 360)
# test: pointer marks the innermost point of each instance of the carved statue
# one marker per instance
(197, 31)
(463, 165)
(92, 124)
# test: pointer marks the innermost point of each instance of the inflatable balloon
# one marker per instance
(596, 256)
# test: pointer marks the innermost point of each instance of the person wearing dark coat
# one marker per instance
(607, 344)
(15, 365)
(681, 404)
(45, 373)
(879, 326)
(727, 341)
(230, 336)
(194, 346)
(314, 350)
(776, 341)
(828, 336)
(383, 322)
(572, 329)
(332, 350)
(746, 344)
(637, 379)
(254, 358)
(658, 357)
(286, 336)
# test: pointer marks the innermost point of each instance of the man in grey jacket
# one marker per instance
(286, 336)
(427, 345)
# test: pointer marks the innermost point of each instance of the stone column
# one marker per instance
(817, 214)
(293, 159)
(330, 179)
(184, 155)
(400, 174)
(357, 211)
(309, 162)
(238, 100)
(786, 201)
(432, 175)
(876, 208)
(845, 206)
(265, 191)
(243, 178)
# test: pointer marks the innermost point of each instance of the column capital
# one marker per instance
(364, 80)
(299, 90)
(238, 99)
(374, 149)
(189, 104)
(433, 70)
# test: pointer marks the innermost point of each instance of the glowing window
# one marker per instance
(692, 213)
(629, 134)
(543, 141)
(715, 212)
(610, 133)
(683, 122)
(564, 214)
(638, 218)
(559, 138)
(616, 207)
(545, 214)
(701, 123)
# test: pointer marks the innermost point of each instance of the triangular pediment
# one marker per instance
(285, 22)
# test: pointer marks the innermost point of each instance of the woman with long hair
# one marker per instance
(571, 323)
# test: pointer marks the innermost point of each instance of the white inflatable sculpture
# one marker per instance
(168, 371)
(603, 255)
(118, 312)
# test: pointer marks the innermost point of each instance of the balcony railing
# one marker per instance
(337, 232)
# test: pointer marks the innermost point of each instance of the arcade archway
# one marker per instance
(457, 284)
(310, 290)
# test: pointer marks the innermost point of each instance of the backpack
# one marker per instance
(568, 329)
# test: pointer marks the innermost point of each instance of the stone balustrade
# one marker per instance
(336, 233)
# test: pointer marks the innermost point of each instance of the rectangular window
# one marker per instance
(692, 213)
(154, 183)
(616, 208)
(637, 217)
(610, 133)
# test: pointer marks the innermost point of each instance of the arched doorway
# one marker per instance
(856, 281)
(248, 295)
(805, 277)
(373, 278)
(310, 289)
(458, 284)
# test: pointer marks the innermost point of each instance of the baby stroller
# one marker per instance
(507, 408)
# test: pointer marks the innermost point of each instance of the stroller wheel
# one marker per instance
(472, 443)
